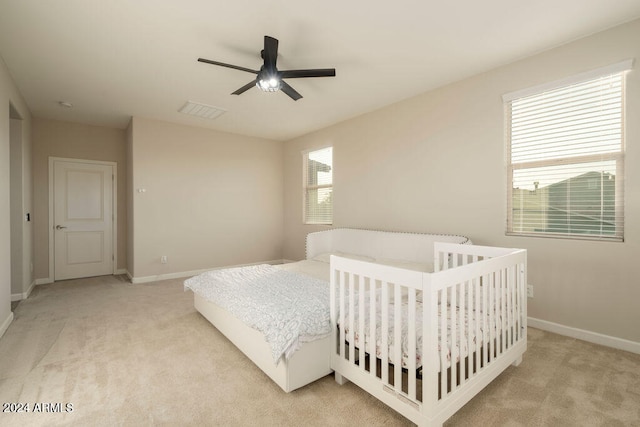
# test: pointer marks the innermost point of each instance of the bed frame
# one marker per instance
(312, 360)
(473, 279)
(309, 363)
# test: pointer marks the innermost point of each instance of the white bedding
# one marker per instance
(459, 349)
(288, 307)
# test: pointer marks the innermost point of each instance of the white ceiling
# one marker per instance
(113, 59)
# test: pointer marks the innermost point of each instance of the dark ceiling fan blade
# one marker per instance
(294, 74)
(270, 53)
(222, 64)
(245, 88)
(293, 94)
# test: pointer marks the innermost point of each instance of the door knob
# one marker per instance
(60, 227)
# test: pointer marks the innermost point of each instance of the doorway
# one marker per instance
(82, 220)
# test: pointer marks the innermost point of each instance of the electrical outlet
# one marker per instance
(163, 259)
(529, 291)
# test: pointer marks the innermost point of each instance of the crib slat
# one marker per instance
(517, 307)
(515, 323)
(361, 319)
(515, 334)
(520, 285)
(411, 342)
(490, 345)
(505, 306)
(351, 323)
(510, 295)
(384, 337)
(481, 313)
(503, 311)
(430, 330)
(372, 328)
(522, 293)
(477, 325)
(454, 332)
(473, 349)
(342, 311)
(496, 313)
(502, 301)
(333, 313)
(442, 342)
(464, 334)
(397, 338)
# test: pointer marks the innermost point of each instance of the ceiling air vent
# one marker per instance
(202, 110)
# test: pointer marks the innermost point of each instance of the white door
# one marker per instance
(82, 219)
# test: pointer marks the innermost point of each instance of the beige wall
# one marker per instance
(52, 138)
(436, 163)
(10, 95)
(202, 198)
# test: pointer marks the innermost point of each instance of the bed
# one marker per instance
(426, 343)
(309, 359)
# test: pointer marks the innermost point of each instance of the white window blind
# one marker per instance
(565, 149)
(318, 186)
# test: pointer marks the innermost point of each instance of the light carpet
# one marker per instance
(125, 354)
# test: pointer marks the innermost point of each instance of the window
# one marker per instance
(565, 154)
(318, 186)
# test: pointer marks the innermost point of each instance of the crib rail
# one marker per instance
(423, 343)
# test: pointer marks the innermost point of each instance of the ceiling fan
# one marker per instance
(268, 78)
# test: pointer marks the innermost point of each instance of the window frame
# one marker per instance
(617, 156)
(306, 187)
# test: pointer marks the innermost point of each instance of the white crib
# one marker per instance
(311, 361)
(459, 327)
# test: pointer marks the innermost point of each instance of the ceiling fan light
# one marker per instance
(269, 84)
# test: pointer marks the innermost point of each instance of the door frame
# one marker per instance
(114, 207)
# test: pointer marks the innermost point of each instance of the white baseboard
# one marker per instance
(167, 276)
(581, 334)
(31, 286)
(23, 295)
(181, 274)
(178, 275)
(6, 323)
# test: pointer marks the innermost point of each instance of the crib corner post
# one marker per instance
(518, 361)
(340, 379)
